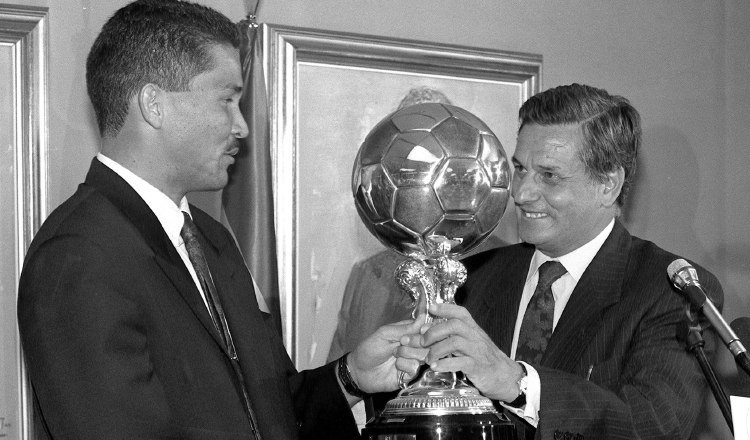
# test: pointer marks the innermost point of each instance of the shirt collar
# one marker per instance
(168, 214)
(577, 261)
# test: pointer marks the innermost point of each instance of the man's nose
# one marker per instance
(239, 128)
(523, 188)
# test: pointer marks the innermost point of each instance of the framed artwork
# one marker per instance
(23, 135)
(326, 91)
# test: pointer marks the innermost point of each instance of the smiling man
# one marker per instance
(575, 331)
(136, 311)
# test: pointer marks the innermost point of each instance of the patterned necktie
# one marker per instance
(536, 328)
(189, 234)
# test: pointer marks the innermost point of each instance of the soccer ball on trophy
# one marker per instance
(431, 170)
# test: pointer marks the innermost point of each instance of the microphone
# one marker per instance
(685, 278)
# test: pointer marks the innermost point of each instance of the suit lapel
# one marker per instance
(235, 290)
(127, 200)
(496, 312)
(508, 298)
(190, 294)
(599, 287)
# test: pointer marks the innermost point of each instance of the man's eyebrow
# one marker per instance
(234, 88)
(543, 163)
(543, 167)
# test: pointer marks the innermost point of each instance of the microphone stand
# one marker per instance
(694, 343)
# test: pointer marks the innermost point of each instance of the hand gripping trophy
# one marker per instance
(431, 181)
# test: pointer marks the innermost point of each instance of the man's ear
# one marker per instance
(151, 104)
(613, 186)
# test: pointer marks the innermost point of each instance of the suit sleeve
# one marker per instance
(654, 391)
(320, 408)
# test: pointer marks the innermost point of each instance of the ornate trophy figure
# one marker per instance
(431, 181)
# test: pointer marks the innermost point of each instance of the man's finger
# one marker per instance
(414, 341)
(449, 311)
(443, 330)
(408, 366)
(445, 348)
(394, 332)
(417, 353)
(449, 364)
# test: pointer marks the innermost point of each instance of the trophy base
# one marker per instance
(490, 426)
(440, 406)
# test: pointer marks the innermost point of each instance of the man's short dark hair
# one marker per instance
(611, 127)
(164, 42)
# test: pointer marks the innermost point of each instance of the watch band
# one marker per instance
(342, 369)
(520, 401)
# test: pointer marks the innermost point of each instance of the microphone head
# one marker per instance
(682, 273)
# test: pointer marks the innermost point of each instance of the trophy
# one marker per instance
(431, 182)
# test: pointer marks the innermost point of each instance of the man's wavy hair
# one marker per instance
(164, 42)
(610, 125)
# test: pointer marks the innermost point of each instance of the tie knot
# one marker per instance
(188, 231)
(549, 272)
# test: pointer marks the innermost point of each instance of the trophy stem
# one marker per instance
(435, 393)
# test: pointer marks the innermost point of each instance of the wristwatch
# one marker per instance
(342, 369)
(523, 384)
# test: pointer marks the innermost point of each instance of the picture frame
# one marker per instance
(23, 199)
(326, 90)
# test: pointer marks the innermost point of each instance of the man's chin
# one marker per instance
(217, 184)
(534, 235)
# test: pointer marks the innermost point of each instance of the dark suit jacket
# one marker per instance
(615, 367)
(119, 344)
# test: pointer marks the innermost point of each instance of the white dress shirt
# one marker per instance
(168, 214)
(575, 263)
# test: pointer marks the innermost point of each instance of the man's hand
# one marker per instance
(377, 362)
(473, 352)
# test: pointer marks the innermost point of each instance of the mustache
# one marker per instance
(234, 144)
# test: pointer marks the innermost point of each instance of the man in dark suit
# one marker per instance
(137, 315)
(590, 348)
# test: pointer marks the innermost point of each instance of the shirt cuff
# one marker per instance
(530, 411)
